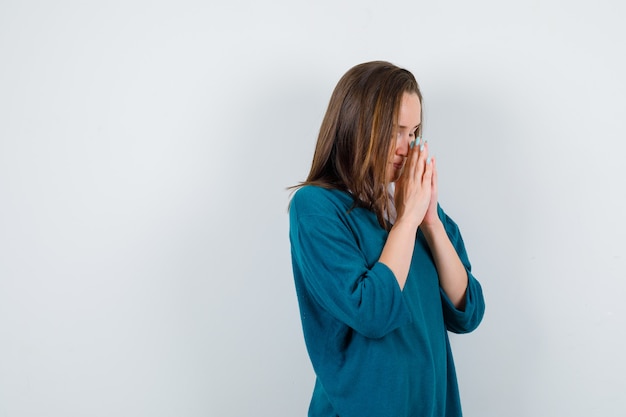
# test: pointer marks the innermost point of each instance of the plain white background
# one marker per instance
(145, 147)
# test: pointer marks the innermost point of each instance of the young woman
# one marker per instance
(381, 271)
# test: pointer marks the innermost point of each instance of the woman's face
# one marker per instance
(409, 116)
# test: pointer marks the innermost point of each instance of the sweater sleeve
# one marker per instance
(330, 266)
(468, 319)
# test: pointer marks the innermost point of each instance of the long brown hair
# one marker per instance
(357, 135)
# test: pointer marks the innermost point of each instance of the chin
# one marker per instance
(395, 176)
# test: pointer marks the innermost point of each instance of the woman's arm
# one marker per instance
(451, 271)
(412, 198)
(398, 250)
(416, 203)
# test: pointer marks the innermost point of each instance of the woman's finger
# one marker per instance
(412, 160)
(422, 161)
(421, 151)
(427, 177)
(433, 162)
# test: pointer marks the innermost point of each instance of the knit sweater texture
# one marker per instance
(377, 350)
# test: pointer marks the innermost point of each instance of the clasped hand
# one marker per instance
(416, 189)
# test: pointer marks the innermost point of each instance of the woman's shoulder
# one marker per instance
(313, 199)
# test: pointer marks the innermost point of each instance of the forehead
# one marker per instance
(410, 110)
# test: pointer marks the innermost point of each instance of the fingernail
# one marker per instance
(422, 145)
(412, 144)
(428, 161)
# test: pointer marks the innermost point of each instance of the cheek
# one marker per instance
(397, 144)
(401, 144)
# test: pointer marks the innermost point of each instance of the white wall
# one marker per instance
(145, 148)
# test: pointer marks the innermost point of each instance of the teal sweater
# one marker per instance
(376, 350)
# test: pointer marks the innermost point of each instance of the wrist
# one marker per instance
(431, 228)
(406, 223)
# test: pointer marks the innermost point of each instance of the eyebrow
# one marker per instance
(404, 127)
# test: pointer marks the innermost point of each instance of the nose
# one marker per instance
(402, 145)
